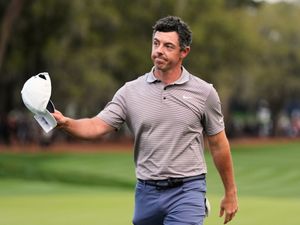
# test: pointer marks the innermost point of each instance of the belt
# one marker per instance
(171, 182)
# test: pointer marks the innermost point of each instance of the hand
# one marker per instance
(60, 118)
(229, 206)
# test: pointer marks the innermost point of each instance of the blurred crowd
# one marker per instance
(261, 124)
(20, 128)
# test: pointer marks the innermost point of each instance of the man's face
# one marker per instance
(166, 53)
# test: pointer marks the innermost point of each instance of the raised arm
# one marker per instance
(220, 150)
(87, 128)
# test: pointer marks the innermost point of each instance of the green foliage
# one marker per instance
(249, 50)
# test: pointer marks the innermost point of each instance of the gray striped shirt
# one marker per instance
(167, 122)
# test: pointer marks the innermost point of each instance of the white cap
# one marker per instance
(36, 95)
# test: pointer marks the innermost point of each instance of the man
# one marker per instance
(167, 111)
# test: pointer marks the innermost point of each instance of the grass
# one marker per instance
(100, 169)
(98, 188)
(264, 171)
(36, 203)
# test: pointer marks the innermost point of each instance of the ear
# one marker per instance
(185, 52)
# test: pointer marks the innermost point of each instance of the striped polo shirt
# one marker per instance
(167, 122)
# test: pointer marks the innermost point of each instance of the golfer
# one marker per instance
(168, 110)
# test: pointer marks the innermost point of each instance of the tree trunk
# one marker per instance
(11, 14)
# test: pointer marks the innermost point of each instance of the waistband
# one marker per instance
(171, 182)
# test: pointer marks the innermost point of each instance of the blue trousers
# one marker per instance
(183, 205)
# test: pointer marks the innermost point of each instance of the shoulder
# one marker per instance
(132, 86)
(200, 86)
(195, 80)
(138, 81)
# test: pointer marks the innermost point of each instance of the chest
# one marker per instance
(158, 105)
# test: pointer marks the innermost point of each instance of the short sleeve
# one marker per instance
(213, 121)
(114, 112)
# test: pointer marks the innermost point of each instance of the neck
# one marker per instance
(169, 76)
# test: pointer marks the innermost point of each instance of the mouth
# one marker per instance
(160, 60)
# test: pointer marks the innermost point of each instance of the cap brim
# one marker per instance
(46, 120)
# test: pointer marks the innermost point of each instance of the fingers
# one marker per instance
(60, 119)
(229, 208)
(56, 113)
(221, 212)
(228, 215)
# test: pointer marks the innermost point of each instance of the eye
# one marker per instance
(155, 43)
(170, 47)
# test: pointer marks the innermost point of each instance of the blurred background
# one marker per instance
(249, 50)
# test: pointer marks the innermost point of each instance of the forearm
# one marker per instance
(220, 150)
(87, 128)
(221, 155)
(224, 165)
(82, 128)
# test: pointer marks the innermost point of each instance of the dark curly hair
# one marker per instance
(174, 23)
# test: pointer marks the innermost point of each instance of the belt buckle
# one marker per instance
(169, 183)
(175, 182)
(162, 184)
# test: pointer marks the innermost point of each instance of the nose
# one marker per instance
(158, 49)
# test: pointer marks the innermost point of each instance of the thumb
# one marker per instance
(221, 212)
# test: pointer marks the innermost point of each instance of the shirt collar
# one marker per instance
(185, 76)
